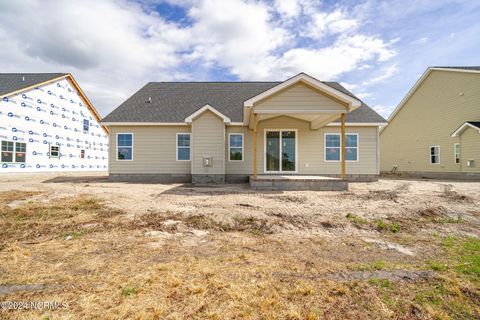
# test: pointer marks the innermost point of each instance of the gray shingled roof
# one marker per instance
(10, 82)
(175, 101)
(475, 123)
(460, 68)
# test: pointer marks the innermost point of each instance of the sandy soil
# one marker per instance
(224, 251)
(299, 214)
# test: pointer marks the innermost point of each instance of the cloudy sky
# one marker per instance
(377, 49)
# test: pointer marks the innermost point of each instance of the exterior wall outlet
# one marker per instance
(207, 161)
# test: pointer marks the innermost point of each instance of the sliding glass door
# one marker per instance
(280, 151)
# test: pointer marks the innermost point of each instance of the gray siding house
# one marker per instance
(230, 131)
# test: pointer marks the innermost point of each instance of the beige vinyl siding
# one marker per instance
(208, 140)
(310, 148)
(470, 149)
(245, 166)
(299, 97)
(443, 102)
(154, 151)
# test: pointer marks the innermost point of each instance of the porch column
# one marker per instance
(255, 120)
(343, 145)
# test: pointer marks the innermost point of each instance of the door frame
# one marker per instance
(280, 144)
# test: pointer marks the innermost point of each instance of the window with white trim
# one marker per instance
(351, 147)
(54, 151)
(456, 152)
(235, 146)
(124, 146)
(20, 151)
(183, 146)
(7, 151)
(333, 147)
(434, 155)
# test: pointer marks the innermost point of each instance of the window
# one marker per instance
(13, 151)
(456, 150)
(333, 147)
(434, 155)
(124, 146)
(351, 147)
(235, 146)
(82, 154)
(54, 151)
(20, 151)
(86, 125)
(7, 151)
(183, 146)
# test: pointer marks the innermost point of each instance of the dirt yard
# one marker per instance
(394, 249)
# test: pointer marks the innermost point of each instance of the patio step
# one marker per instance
(288, 182)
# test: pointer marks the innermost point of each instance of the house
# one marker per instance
(435, 130)
(48, 124)
(228, 131)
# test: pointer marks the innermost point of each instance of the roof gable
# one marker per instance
(468, 124)
(306, 79)
(420, 81)
(10, 83)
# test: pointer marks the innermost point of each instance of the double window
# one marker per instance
(124, 146)
(13, 151)
(457, 151)
(235, 146)
(333, 147)
(54, 151)
(183, 146)
(434, 155)
(86, 125)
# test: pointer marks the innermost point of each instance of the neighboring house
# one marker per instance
(48, 124)
(435, 130)
(227, 131)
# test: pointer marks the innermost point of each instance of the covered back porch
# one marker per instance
(311, 102)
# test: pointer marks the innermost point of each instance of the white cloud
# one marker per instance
(383, 110)
(387, 73)
(113, 47)
(288, 8)
(324, 24)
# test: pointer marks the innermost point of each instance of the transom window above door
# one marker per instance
(280, 151)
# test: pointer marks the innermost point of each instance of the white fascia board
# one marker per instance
(352, 102)
(456, 70)
(112, 124)
(457, 132)
(358, 124)
(207, 107)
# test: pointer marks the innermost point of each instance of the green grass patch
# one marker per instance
(382, 283)
(128, 291)
(355, 219)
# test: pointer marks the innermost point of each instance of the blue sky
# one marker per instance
(377, 49)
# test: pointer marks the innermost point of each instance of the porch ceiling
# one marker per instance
(316, 119)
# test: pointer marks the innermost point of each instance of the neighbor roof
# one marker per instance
(11, 82)
(173, 102)
(459, 68)
(471, 124)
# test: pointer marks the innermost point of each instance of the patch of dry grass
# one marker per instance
(110, 271)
